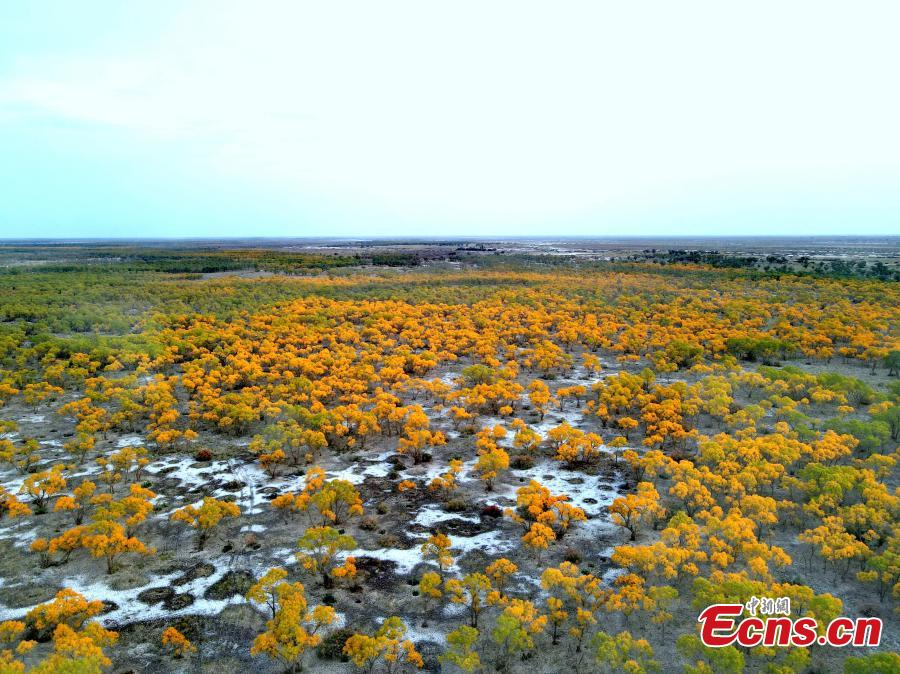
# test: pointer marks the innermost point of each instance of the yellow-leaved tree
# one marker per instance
(206, 517)
(386, 644)
(293, 628)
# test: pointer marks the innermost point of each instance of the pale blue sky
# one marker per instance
(225, 118)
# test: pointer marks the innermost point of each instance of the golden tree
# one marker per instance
(387, 644)
(293, 628)
(437, 547)
(472, 592)
(108, 539)
(319, 547)
(632, 510)
(178, 644)
(206, 517)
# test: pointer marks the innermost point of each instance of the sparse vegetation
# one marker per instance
(518, 463)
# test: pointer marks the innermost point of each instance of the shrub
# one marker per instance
(332, 646)
(455, 505)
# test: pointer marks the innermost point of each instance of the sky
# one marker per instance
(196, 118)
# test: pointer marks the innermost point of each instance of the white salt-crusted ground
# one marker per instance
(181, 480)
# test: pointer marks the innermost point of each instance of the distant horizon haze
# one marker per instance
(461, 238)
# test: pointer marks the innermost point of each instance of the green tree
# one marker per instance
(461, 649)
(623, 653)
